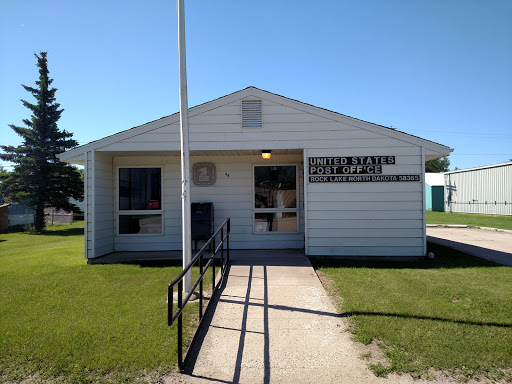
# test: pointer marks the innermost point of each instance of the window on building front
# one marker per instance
(140, 201)
(275, 198)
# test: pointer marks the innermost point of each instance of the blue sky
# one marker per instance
(438, 69)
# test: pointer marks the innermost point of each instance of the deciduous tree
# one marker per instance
(437, 165)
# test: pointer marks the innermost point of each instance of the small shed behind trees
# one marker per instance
(20, 215)
(485, 190)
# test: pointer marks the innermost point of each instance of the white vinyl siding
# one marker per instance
(368, 219)
(88, 212)
(285, 128)
(395, 204)
(231, 196)
(100, 207)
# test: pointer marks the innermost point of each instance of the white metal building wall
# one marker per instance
(484, 190)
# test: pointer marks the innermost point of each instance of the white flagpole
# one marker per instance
(185, 151)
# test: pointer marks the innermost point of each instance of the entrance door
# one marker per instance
(275, 198)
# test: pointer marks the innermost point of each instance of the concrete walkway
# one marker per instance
(274, 323)
(489, 243)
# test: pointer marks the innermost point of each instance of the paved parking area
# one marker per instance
(489, 244)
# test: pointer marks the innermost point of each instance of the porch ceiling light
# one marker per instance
(266, 153)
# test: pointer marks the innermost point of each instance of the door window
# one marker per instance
(275, 198)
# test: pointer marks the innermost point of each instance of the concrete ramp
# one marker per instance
(274, 323)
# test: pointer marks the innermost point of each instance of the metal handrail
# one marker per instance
(178, 315)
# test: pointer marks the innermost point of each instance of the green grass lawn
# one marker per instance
(452, 314)
(503, 222)
(68, 321)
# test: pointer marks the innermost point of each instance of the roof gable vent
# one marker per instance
(251, 114)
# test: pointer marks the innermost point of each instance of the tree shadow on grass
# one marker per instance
(404, 316)
(63, 232)
(167, 263)
(444, 258)
(157, 263)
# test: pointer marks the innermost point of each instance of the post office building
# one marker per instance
(289, 175)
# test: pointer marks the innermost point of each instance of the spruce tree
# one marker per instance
(39, 179)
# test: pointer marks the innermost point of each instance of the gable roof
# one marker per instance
(73, 154)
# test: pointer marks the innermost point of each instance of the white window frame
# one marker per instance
(275, 210)
(160, 211)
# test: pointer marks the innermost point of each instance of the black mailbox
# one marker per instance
(202, 221)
